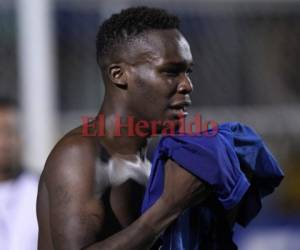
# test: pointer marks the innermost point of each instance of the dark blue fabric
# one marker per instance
(222, 161)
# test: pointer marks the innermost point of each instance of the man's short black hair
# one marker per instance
(121, 27)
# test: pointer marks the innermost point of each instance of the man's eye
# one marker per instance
(189, 72)
(172, 73)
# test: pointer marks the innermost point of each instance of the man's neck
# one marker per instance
(120, 140)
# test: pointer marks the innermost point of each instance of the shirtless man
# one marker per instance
(91, 189)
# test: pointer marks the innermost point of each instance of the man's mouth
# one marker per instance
(180, 108)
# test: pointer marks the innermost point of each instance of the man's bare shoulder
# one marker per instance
(68, 210)
(74, 156)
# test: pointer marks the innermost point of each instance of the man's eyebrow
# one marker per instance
(181, 64)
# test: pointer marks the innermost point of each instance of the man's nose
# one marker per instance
(185, 86)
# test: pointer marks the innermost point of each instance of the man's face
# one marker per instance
(158, 76)
(9, 139)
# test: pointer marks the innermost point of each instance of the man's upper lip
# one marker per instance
(181, 104)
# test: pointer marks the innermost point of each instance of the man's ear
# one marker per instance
(117, 75)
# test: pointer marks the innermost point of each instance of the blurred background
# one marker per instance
(247, 69)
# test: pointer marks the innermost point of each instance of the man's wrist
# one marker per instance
(160, 216)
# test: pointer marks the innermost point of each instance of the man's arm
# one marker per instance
(181, 190)
(77, 216)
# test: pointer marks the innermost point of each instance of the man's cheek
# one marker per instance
(150, 98)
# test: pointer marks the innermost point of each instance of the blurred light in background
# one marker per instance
(37, 78)
(246, 57)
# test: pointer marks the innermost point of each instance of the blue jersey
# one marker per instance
(221, 161)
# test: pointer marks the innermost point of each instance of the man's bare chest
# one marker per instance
(118, 171)
(121, 185)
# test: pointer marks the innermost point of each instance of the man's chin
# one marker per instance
(169, 126)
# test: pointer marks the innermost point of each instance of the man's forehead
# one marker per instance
(163, 46)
